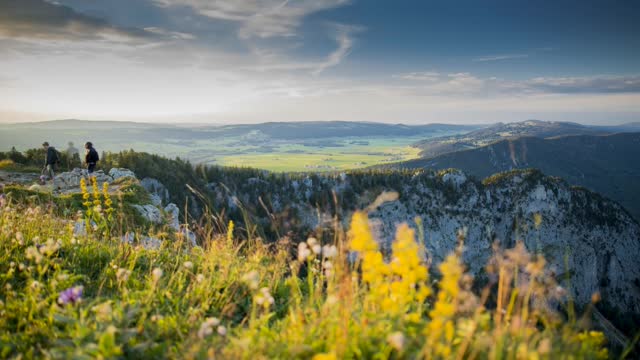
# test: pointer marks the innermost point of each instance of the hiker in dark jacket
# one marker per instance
(91, 158)
(50, 160)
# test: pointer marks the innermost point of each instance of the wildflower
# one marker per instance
(303, 252)
(123, 274)
(206, 328)
(396, 340)
(537, 220)
(264, 298)
(32, 253)
(252, 279)
(324, 356)
(188, 265)
(329, 251)
(222, 331)
(230, 231)
(199, 278)
(103, 311)
(35, 285)
(156, 274)
(314, 245)
(72, 295)
(20, 238)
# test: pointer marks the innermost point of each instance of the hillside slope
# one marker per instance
(606, 164)
(481, 137)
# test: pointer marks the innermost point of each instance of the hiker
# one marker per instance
(73, 156)
(91, 158)
(50, 160)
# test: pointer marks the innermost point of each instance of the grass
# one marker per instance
(92, 296)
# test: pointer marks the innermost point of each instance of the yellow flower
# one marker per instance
(324, 356)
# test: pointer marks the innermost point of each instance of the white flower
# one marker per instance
(188, 265)
(303, 252)
(199, 278)
(396, 340)
(252, 279)
(35, 285)
(264, 297)
(222, 331)
(329, 251)
(312, 241)
(206, 328)
(316, 249)
(123, 274)
(156, 274)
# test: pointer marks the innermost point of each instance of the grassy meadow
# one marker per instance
(84, 296)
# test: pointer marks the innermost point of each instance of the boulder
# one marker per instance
(149, 213)
(173, 216)
(117, 173)
(156, 189)
(188, 235)
(147, 242)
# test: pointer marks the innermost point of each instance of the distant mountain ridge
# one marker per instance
(607, 164)
(543, 129)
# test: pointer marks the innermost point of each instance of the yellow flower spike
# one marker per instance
(230, 231)
(361, 238)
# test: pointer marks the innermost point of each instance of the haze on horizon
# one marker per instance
(232, 61)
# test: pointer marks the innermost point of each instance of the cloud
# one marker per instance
(342, 35)
(434, 83)
(591, 84)
(39, 19)
(430, 76)
(258, 18)
(500, 57)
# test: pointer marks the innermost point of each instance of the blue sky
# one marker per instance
(224, 61)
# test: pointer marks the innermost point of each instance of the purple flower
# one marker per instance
(71, 296)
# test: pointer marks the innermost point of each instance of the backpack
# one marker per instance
(55, 156)
(93, 156)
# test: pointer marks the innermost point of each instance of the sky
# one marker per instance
(247, 61)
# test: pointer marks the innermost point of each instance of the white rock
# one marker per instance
(70, 180)
(159, 193)
(117, 173)
(150, 213)
(173, 216)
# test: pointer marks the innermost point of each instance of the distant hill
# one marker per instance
(324, 129)
(487, 135)
(26, 135)
(606, 164)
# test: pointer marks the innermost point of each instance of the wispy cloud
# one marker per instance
(500, 57)
(430, 76)
(39, 19)
(342, 35)
(435, 83)
(258, 18)
(590, 84)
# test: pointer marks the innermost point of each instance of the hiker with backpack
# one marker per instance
(50, 160)
(91, 158)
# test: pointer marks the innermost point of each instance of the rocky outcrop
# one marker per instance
(71, 180)
(599, 239)
(117, 173)
(157, 190)
(173, 216)
(150, 213)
